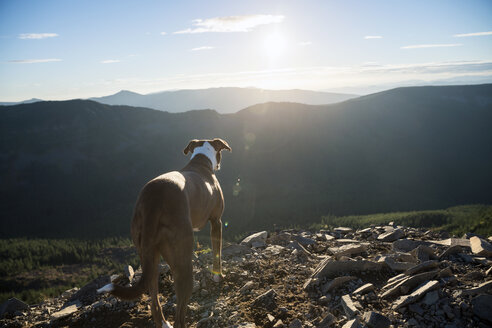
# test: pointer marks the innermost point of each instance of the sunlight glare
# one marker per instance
(275, 45)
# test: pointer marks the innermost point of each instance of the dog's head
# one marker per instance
(217, 143)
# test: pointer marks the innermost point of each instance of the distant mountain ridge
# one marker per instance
(29, 101)
(74, 168)
(223, 100)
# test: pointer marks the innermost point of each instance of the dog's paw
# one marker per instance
(106, 289)
(166, 324)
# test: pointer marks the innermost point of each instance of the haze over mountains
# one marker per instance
(223, 100)
(74, 168)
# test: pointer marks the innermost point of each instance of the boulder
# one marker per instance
(347, 250)
(235, 250)
(336, 282)
(480, 247)
(266, 300)
(12, 305)
(255, 239)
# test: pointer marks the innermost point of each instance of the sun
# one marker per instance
(275, 45)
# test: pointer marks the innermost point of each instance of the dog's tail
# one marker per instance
(149, 267)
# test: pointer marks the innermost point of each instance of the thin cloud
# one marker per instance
(110, 61)
(163, 33)
(245, 23)
(306, 43)
(472, 34)
(34, 61)
(369, 37)
(37, 35)
(421, 46)
(202, 48)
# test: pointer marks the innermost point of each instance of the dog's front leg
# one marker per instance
(216, 236)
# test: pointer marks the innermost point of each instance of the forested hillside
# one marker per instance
(74, 168)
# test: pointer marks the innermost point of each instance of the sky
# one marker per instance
(79, 49)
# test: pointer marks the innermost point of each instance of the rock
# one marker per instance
(304, 241)
(348, 306)
(256, 238)
(451, 242)
(480, 247)
(364, 289)
(247, 287)
(274, 249)
(397, 266)
(235, 250)
(354, 323)
(406, 245)
(336, 282)
(266, 300)
(343, 230)
(327, 320)
(87, 294)
(12, 305)
(482, 288)
(391, 235)
(69, 292)
(405, 285)
(424, 266)
(330, 268)
(296, 323)
(376, 320)
(64, 312)
(423, 253)
(431, 298)
(451, 251)
(482, 307)
(243, 325)
(347, 250)
(416, 295)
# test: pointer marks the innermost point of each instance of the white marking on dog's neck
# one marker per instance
(208, 150)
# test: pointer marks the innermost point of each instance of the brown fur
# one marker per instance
(168, 208)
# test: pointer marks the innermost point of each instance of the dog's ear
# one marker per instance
(220, 145)
(191, 146)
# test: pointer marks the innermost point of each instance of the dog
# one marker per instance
(168, 209)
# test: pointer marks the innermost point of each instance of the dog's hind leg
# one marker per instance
(183, 284)
(151, 258)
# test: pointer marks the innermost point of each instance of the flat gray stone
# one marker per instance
(391, 235)
(347, 250)
(424, 266)
(416, 295)
(336, 282)
(348, 306)
(64, 312)
(404, 286)
(480, 247)
(482, 288)
(354, 323)
(398, 266)
(364, 289)
(235, 250)
(259, 237)
(330, 268)
(407, 245)
(376, 320)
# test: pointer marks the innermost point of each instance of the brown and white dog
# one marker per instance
(168, 210)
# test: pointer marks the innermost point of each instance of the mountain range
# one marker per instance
(223, 100)
(74, 168)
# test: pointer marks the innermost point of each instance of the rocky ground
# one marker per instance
(384, 276)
